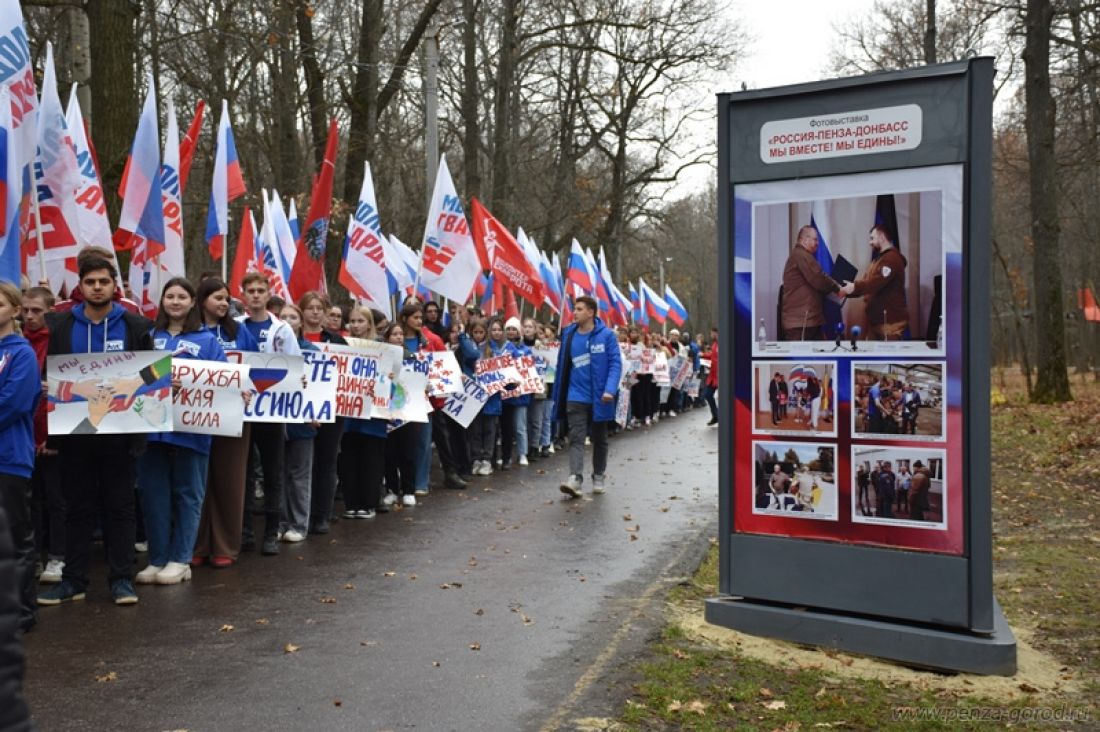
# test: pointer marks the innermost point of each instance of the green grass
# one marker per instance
(1046, 497)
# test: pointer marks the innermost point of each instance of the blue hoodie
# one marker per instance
(201, 345)
(109, 335)
(244, 341)
(20, 390)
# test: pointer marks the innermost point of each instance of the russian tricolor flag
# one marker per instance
(677, 313)
(142, 216)
(228, 186)
(579, 272)
(549, 283)
(655, 305)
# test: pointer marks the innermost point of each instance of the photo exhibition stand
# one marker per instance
(854, 242)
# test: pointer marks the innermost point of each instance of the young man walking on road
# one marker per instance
(589, 369)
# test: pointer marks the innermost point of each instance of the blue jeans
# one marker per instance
(535, 413)
(423, 459)
(521, 432)
(546, 433)
(708, 395)
(172, 481)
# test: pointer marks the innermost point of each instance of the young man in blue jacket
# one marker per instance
(98, 470)
(590, 366)
(20, 389)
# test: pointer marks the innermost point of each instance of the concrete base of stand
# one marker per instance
(930, 647)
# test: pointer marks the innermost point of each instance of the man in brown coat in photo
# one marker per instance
(883, 288)
(918, 491)
(805, 285)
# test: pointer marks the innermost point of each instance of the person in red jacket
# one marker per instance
(712, 378)
(47, 500)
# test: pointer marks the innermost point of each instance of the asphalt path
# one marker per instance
(501, 607)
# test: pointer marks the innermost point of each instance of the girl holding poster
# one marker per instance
(362, 464)
(483, 430)
(514, 414)
(314, 307)
(219, 537)
(298, 463)
(401, 442)
(172, 471)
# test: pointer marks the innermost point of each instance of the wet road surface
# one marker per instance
(502, 607)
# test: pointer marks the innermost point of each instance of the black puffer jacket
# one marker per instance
(14, 715)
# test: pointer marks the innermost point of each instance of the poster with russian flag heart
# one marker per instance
(288, 388)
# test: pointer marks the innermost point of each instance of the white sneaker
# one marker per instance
(572, 486)
(671, 413)
(349, 514)
(52, 573)
(486, 468)
(365, 514)
(291, 536)
(390, 499)
(408, 500)
(148, 576)
(551, 449)
(523, 461)
(141, 547)
(173, 573)
(598, 484)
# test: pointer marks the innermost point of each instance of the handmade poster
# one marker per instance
(549, 354)
(530, 380)
(498, 374)
(210, 399)
(691, 388)
(365, 377)
(622, 407)
(278, 390)
(321, 382)
(444, 375)
(704, 363)
(109, 393)
(681, 373)
(660, 370)
(463, 406)
(408, 399)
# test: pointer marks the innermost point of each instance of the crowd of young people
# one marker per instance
(187, 501)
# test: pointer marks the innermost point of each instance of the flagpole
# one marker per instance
(43, 277)
(225, 249)
(419, 265)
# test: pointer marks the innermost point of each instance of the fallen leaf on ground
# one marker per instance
(227, 628)
(479, 611)
(337, 702)
(633, 528)
(475, 646)
(1028, 688)
(368, 643)
(627, 517)
(696, 707)
(349, 586)
(766, 692)
(680, 654)
(435, 663)
(775, 705)
(389, 574)
(328, 600)
(412, 576)
(633, 537)
(290, 648)
(664, 509)
(107, 677)
(262, 621)
(820, 693)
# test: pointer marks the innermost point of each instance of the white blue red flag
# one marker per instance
(363, 266)
(550, 283)
(269, 261)
(95, 227)
(17, 94)
(578, 271)
(655, 305)
(141, 222)
(677, 313)
(449, 262)
(292, 219)
(227, 186)
(401, 263)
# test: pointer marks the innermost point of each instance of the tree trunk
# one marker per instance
(284, 87)
(471, 127)
(363, 101)
(1052, 383)
(315, 82)
(502, 113)
(930, 32)
(114, 98)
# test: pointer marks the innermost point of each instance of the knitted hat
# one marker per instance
(513, 322)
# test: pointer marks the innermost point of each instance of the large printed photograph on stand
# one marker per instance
(863, 273)
(856, 265)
